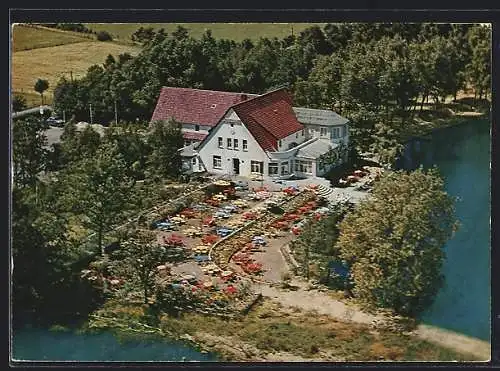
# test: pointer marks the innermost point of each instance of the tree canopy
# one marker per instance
(394, 241)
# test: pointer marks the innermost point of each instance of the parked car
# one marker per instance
(240, 185)
(54, 121)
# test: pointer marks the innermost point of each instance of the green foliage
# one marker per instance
(99, 188)
(76, 145)
(41, 86)
(165, 140)
(138, 258)
(393, 241)
(316, 245)
(104, 36)
(479, 68)
(43, 263)
(18, 103)
(131, 145)
(28, 150)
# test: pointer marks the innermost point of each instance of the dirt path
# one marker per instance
(322, 303)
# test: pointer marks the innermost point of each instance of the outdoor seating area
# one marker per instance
(362, 179)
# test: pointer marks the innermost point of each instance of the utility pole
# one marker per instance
(64, 116)
(71, 75)
(90, 108)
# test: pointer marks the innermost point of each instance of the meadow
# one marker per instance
(53, 62)
(26, 37)
(233, 31)
(40, 52)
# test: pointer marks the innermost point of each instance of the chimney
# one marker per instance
(243, 97)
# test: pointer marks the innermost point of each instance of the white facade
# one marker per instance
(218, 154)
(230, 149)
(292, 140)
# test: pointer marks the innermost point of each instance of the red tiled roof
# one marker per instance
(194, 136)
(195, 106)
(269, 117)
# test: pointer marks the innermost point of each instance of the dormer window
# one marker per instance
(197, 127)
(213, 105)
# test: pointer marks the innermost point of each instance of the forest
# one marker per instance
(380, 75)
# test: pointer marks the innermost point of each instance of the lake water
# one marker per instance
(462, 154)
(31, 344)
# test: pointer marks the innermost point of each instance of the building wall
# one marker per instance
(298, 137)
(210, 147)
(314, 131)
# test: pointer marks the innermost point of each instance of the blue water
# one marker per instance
(31, 344)
(463, 156)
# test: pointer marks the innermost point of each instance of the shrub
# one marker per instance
(104, 36)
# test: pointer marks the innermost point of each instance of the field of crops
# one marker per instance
(27, 38)
(233, 31)
(52, 63)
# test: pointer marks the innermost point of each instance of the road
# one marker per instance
(53, 135)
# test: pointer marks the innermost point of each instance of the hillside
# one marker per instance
(71, 54)
(26, 37)
(233, 31)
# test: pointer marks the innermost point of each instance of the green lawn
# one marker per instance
(233, 31)
(27, 37)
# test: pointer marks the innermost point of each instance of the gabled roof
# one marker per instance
(195, 106)
(269, 118)
(193, 135)
(318, 117)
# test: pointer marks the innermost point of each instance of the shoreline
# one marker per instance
(458, 119)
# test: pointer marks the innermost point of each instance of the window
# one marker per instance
(335, 133)
(193, 160)
(303, 166)
(303, 132)
(245, 145)
(273, 168)
(284, 168)
(197, 127)
(217, 162)
(279, 143)
(256, 166)
(322, 132)
(296, 135)
(187, 142)
(344, 130)
(235, 144)
(221, 142)
(229, 143)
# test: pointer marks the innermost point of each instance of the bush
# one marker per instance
(104, 36)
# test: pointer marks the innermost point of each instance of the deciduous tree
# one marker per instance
(165, 140)
(99, 188)
(394, 241)
(40, 86)
(28, 150)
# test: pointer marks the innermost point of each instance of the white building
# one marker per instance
(263, 135)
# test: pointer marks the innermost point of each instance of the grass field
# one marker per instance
(233, 31)
(27, 38)
(51, 63)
